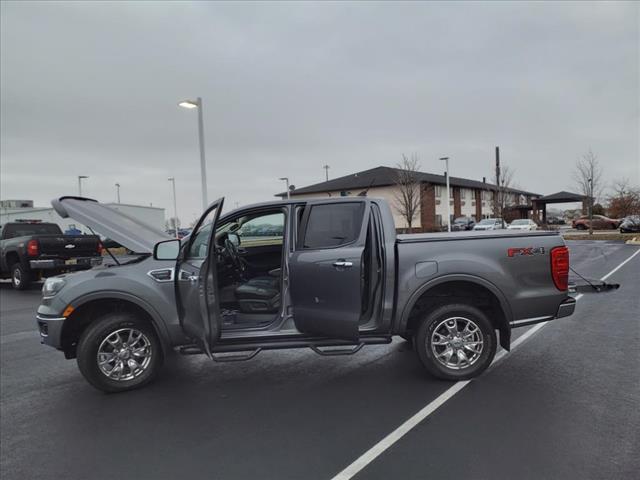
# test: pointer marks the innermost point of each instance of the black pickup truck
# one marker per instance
(32, 249)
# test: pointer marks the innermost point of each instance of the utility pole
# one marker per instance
(118, 192)
(591, 202)
(326, 171)
(498, 199)
(446, 160)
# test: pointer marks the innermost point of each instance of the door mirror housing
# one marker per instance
(167, 250)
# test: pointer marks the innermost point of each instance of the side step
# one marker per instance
(322, 347)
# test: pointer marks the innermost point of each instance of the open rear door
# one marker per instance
(196, 282)
(326, 269)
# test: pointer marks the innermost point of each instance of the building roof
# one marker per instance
(561, 197)
(385, 176)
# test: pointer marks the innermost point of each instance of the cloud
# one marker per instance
(91, 89)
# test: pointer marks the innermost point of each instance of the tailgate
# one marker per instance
(68, 246)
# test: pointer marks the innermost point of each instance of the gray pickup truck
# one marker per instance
(328, 274)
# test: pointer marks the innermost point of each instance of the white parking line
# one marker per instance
(374, 452)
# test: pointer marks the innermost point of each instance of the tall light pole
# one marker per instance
(175, 208)
(118, 192)
(446, 160)
(326, 172)
(286, 180)
(80, 178)
(197, 103)
(591, 204)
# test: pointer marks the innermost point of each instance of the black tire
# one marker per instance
(93, 337)
(428, 358)
(581, 226)
(20, 277)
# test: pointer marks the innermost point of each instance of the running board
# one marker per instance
(319, 346)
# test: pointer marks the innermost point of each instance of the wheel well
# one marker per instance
(461, 292)
(12, 257)
(87, 313)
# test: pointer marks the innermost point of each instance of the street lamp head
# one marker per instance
(83, 176)
(444, 158)
(118, 185)
(188, 104)
(284, 178)
(171, 179)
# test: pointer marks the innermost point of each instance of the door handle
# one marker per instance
(342, 264)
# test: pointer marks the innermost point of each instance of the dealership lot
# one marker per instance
(563, 404)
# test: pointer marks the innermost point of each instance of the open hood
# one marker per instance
(127, 231)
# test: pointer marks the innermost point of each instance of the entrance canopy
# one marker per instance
(559, 197)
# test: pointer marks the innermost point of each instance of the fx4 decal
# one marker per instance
(525, 251)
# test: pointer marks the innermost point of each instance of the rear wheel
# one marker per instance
(581, 226)
(20, 277)
(119, 352)
(456, 342)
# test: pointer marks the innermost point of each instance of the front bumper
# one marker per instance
(50, 329)
(62, 264)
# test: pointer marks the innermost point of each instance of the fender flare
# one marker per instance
(504, 304)
(156, 319)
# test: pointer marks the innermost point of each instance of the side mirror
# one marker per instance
(167, 250)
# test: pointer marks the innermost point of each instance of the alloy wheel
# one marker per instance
(457, 343)
(124, 354)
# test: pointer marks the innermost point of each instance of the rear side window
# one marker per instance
(333, 225)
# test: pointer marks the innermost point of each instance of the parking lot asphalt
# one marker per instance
(563, 404)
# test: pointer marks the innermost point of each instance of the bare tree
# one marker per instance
(407, 196)
(625, 199)
(587, 177)
(501, 196)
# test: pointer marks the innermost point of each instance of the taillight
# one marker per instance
(560, 267)
(32, 248)
(100, 248)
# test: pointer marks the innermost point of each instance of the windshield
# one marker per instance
(520, 222)
(461, 220)
(488, 221)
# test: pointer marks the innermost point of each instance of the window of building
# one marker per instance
(333, 225)
(438, 190)
(439, 220)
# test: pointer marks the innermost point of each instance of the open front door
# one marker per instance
(196, 282)
(326, 269)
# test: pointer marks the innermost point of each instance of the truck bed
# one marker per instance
(471, 235)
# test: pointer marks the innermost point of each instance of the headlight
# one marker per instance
(52, 286)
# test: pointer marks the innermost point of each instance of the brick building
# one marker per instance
(470, 198)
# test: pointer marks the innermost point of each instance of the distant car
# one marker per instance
(522, 224)
(489, 224)
(555, 221)
(600, 222)
(463, 223)
(630, 224)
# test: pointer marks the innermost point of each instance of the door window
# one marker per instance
(262, 231)
(200, 244)
(333, 225)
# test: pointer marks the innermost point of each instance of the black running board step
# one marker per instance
(329, 351)
(195, 350)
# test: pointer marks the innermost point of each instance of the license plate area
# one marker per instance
(71, 261)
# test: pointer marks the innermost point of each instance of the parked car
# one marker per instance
(523, 224)
(489, 224)
(463, 223)
(350, 281)
(30, 249)
(630, 224)
(600, 222)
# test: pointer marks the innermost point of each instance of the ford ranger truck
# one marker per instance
(326, 274)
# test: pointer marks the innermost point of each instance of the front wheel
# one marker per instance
(456, 342)
(119, 352)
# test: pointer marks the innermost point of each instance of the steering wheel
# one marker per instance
(232, 252)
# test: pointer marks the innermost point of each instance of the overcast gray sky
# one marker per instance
(91, 89)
